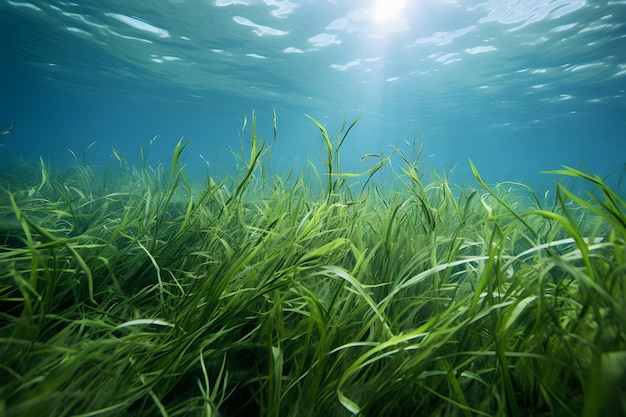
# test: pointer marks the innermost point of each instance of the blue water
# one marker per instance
(519, 86)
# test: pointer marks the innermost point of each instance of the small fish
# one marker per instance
(6, 132)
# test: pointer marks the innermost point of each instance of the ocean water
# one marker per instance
(517, 86)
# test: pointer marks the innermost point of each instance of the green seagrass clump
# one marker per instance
(141, 290)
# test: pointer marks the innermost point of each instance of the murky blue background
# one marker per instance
(518, 86)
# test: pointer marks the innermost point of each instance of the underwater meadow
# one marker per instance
(137, 289)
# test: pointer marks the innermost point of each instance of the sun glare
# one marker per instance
(385, 10)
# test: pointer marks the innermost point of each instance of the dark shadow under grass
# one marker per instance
(138, 293)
